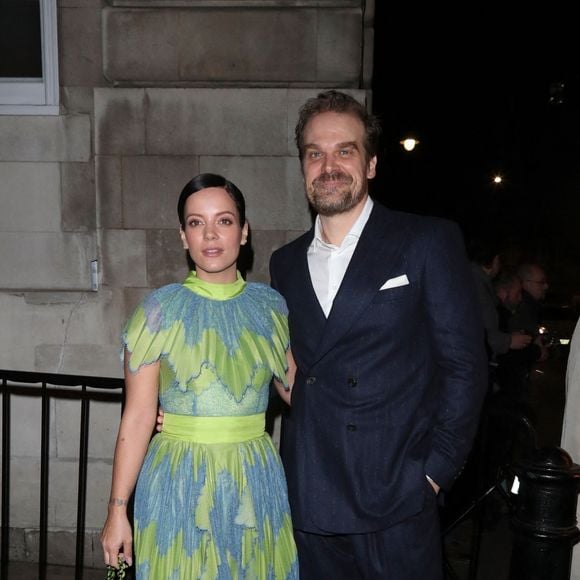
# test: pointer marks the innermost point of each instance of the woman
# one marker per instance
(210, 498)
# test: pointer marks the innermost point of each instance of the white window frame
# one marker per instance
(24, 96)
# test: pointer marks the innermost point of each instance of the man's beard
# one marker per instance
(332, 194)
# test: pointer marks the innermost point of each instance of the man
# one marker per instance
(508, 289)
(527, 316)
(391, 369)
(485, 266)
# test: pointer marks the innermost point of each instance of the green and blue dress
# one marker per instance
(211, 498)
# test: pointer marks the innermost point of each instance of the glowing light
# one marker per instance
(409, 143)
(497, 179)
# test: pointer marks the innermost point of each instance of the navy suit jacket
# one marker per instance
(389, 388)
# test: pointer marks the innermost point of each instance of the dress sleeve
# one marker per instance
(143, 337)
(280, 337)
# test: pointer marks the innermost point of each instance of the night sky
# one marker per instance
(499, 93)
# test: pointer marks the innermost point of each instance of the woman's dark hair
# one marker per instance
(338, 102)
(205, 180)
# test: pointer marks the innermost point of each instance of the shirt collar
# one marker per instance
(356, 229)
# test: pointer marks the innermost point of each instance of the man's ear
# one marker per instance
(183, 239)
(372, 167)
(245, 231)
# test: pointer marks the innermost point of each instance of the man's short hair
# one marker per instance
(338, 102)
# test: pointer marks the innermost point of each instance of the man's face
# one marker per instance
(335, 166)
(513, 295)
(536, 283)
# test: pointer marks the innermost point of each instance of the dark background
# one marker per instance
(486, 92)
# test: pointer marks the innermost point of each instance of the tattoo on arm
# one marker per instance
(117, 501)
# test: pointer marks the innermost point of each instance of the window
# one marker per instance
(28, 57)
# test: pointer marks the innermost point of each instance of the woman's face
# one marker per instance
(212, 234)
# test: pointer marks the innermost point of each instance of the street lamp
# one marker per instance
(409, 143)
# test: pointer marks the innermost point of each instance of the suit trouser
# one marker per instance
(408, 550)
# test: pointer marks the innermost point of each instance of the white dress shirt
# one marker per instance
(328, 263)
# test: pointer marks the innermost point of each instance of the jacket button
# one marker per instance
(310, 380)
(351, 427)
(352, 382)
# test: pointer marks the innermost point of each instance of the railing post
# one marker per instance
(544, 521)
(44, 481)
(6, 425)
(82, 485)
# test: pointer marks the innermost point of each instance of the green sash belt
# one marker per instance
(214, 429)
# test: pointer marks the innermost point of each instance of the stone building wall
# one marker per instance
(152, 93)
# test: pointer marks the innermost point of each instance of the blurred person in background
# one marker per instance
(485, 266)
(528, 314)
(514, 365)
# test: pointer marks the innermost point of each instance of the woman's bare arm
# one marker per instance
(137, 424)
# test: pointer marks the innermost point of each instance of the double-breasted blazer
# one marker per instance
(389, 387)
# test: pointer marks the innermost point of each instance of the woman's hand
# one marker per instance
(117, 537)
(285, 393)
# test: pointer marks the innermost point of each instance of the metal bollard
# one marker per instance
(544, 521)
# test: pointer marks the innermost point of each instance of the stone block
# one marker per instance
(94, 552)
(151, 188)
(78, 359)
(17, 545)
(216, 121)
(25, 493)
(264, 242)
(80, 51)
(97, 311)
(339, 47)
(78, 197)
(272, 187)
(46, 260)
(289, 35)
(77, 100)
(83, 3)
(188, 45)
(108, 183)
(17, 356)
(52, 332)
(30, 197)
(166, 258)
(103, 425)
(142, 45)
(45, 138)
(63, 317)
(133, 297)
(63, 493)
(119, 121)
(368, 58)
(61, 549)
(124, 258)
(25, 432)
(17, 347)
(98, 492)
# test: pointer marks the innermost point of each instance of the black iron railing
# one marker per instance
(46, 387)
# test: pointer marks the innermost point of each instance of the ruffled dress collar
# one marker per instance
(212, 290)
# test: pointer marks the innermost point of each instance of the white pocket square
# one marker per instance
(394, 282)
